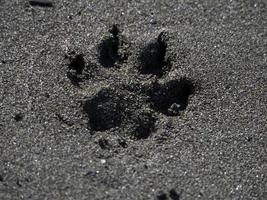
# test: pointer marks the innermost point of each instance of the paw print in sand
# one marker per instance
(130, 105)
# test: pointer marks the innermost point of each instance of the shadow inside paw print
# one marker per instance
(171, 97)
(171, 195)
(76, 67)
(152, 58)
(105, 110)
(78, 70)
(115, 108)
(126, 107)
(144, 124)
(109, 49)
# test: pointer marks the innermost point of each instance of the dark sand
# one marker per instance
(133, 99)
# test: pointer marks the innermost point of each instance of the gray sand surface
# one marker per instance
(133, 99)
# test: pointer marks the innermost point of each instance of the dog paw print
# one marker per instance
(131, 106)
